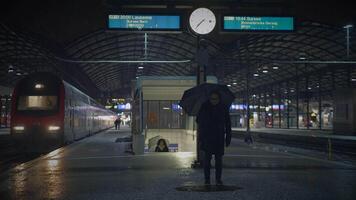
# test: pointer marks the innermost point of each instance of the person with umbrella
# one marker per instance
(214, 129)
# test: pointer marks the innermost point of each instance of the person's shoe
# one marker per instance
(219, 182)
(207, 182)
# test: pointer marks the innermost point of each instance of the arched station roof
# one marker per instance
(260, 52)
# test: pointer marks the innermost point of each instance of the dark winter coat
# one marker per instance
(214, 128)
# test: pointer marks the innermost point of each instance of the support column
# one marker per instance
(248, 99)
(259, 106)
(297, 95)
(279, 106)
(265, 105)
(288, 99)
(319, 96)
(1, 110)
(202, 60)
(307, 96)
(272, 113)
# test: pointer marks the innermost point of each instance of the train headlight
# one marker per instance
(54, 128)
(18, 128)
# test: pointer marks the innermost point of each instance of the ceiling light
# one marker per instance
(275, 67)
(228, 85)
(265, 71)
(302, 58)
(348, 26)
(39, 86)
(140, 67)
(10, 70)
(234, 83)
(309, 88)
(18, 73)
(255, 74)
(353, 79)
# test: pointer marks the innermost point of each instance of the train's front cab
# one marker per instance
(38, 112)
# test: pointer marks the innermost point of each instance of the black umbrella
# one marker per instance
(194, 97)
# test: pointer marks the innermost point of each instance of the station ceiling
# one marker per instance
(50, 35)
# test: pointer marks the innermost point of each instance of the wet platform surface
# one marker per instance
(99, 168)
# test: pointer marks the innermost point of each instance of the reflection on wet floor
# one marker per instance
(193, 187)
(78, 172)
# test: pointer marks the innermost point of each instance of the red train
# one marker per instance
(48, 112)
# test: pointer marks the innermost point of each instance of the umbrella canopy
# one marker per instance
(193, 98)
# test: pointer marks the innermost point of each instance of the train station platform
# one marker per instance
(4, 131)
(99, 167)
(321, 140)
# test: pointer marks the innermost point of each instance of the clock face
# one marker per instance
(202, 21)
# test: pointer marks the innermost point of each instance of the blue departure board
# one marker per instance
(145, 22)
(254, 23)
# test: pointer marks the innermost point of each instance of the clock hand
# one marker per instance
(200, 23)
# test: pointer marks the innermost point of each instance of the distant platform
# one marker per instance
(4, 131)
(310, 139)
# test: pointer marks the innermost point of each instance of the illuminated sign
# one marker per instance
(144, 22)
(176, 107)
(126, 106)
(255, 23)
(244, 107)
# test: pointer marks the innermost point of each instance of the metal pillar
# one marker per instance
(279, 106)
(201, 78)
(297, 95)
(248, 99)
(347, 27)
(272, 113)
(0, 111)
(307, 96)
(288, 99)
(259, 106)
(319, 96)
(265, 105)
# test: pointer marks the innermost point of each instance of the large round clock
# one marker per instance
(202, 21)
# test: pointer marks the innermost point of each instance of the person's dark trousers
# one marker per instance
(207, 166)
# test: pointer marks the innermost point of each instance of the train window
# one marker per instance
(37, 103)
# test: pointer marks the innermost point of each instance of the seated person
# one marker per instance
(161, 146)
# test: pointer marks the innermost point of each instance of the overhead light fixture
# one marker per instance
(228, 85)
(348, 26)
(18, 73)
(234, 83)
(353, 79)
(136, 77)
(11, 69)
(140, 67)
(255, 75)
(309, 88)
(265, 71)
(39, 86)
(275, 67)
(302, 58)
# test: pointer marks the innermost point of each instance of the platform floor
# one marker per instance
(98, 168)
